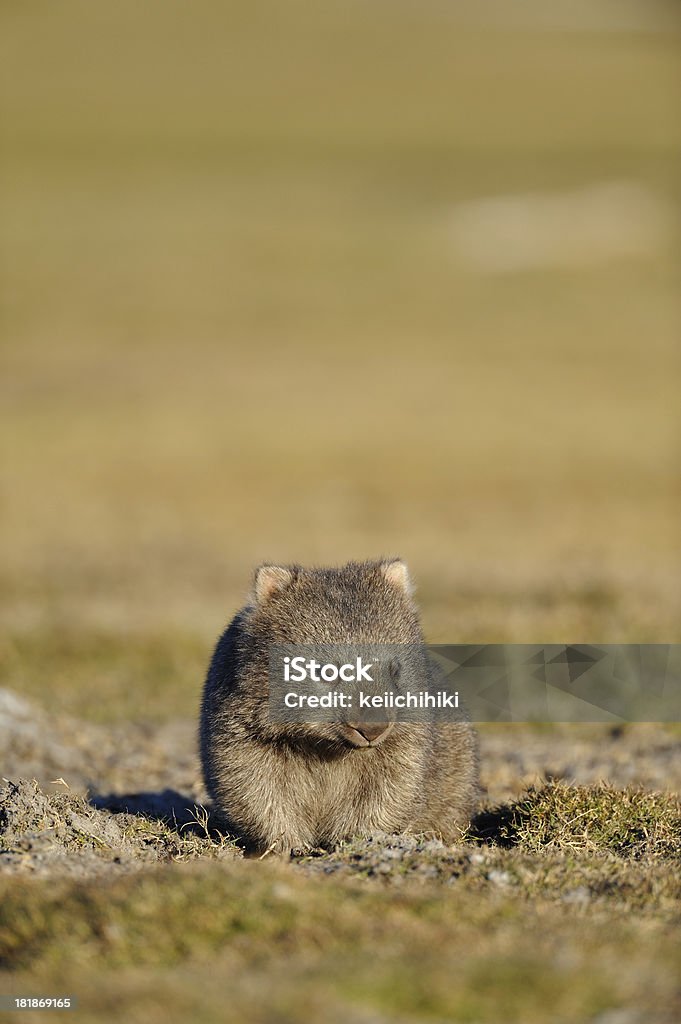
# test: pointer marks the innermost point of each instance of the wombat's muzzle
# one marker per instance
(363, 734)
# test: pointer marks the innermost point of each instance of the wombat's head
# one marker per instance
(360, 604)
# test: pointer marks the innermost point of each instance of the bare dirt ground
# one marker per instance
(81, 798)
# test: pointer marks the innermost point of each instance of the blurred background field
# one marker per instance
(313, 282)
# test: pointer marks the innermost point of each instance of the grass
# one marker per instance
(431, 946)
(154, 675)
(632, 823)
(591, 846)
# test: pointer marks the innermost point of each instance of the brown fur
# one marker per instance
(297, 787)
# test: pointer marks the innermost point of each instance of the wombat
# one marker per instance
(296, 787)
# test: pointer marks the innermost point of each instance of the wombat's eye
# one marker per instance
(394, 670)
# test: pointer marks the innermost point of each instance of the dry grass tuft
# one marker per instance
(588, 819)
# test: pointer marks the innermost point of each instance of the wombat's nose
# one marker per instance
(371, 730)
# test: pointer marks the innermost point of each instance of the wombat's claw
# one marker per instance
(274, 847)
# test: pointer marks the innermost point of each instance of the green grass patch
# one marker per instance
(453, 953)
(588, 819)
(105, 675)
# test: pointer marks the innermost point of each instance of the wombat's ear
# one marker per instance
(269, 580)
(397, 574)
